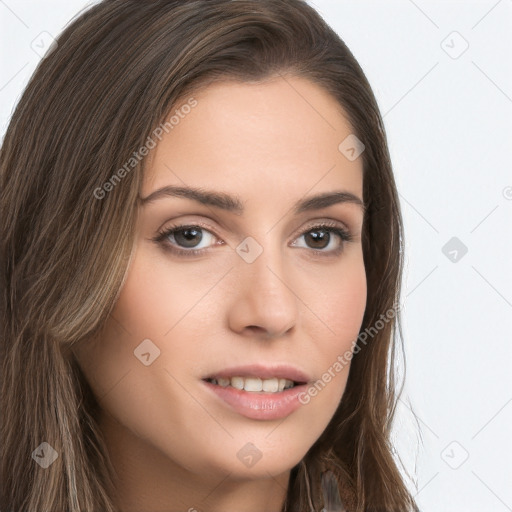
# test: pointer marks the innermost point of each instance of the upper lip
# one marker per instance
(280, 371)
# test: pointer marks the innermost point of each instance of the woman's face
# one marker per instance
(269, 296)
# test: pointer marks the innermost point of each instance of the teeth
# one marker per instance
(221, 381)
(237, 382)
(254, 384)
(270, 385)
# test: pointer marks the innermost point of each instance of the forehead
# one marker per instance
(282, 134)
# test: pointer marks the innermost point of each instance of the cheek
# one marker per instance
(108, 361)
(157, 302)
(145, 306)
(334, 328)
(339, 302)
(345, 307)
(161, 294)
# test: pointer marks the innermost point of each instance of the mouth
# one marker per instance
(255, 384)
(259, 392)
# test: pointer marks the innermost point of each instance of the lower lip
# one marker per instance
(260, 406)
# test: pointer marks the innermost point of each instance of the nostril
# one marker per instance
(255, 328)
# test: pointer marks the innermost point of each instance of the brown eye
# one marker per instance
(318, 238)
(187, 237)
(186, 240)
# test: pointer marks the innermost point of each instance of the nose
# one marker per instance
(264, 303)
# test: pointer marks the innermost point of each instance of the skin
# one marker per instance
(173, 446)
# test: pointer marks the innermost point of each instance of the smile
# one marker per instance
(254, 384)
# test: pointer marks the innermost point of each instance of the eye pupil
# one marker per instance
(185, 237)
(323, 238)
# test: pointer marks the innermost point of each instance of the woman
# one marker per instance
(202, 246)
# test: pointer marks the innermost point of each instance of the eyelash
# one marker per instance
(330, 227)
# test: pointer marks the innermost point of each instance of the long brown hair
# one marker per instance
(117, 71)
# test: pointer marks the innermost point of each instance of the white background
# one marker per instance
(448, 117)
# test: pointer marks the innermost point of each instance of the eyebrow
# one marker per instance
(234, 205)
